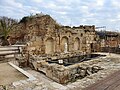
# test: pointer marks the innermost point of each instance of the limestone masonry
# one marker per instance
(44, 35)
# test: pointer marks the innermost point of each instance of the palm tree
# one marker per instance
(6, 25)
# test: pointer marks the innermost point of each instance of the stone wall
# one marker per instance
(44, 35)
(107, 41)
(63, 75)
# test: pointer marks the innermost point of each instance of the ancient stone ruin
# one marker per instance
(44, 36)
(56, 50)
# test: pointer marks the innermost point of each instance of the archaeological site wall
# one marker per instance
(43, 35)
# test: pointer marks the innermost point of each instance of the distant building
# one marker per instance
(108, 41)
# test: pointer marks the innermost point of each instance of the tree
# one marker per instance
(6, 25)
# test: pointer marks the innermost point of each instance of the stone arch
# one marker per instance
(77, 44)
(49, 46)
(64, 45)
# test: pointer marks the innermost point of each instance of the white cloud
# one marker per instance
(66, 20)
(16, 9)
(62, 13)
(37, 1)
(13, 3)
(84, 9)
(34, 11)
(50, 5)
(66, 2)
(116, 3)
(118, 16)
(75, 12)
(100, 3)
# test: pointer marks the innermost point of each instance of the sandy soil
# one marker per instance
(8, 74)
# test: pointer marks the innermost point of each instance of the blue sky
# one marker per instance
(67, 12)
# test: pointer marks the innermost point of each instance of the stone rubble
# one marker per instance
(110, 64)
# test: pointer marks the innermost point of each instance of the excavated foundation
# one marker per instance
(64, 70)
(73, 60)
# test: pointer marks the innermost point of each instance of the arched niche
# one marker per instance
(76, 44)
(49, 46)
(64, 45)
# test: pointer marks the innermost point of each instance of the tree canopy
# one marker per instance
(6, 25)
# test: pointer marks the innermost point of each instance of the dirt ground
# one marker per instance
(8, 74)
